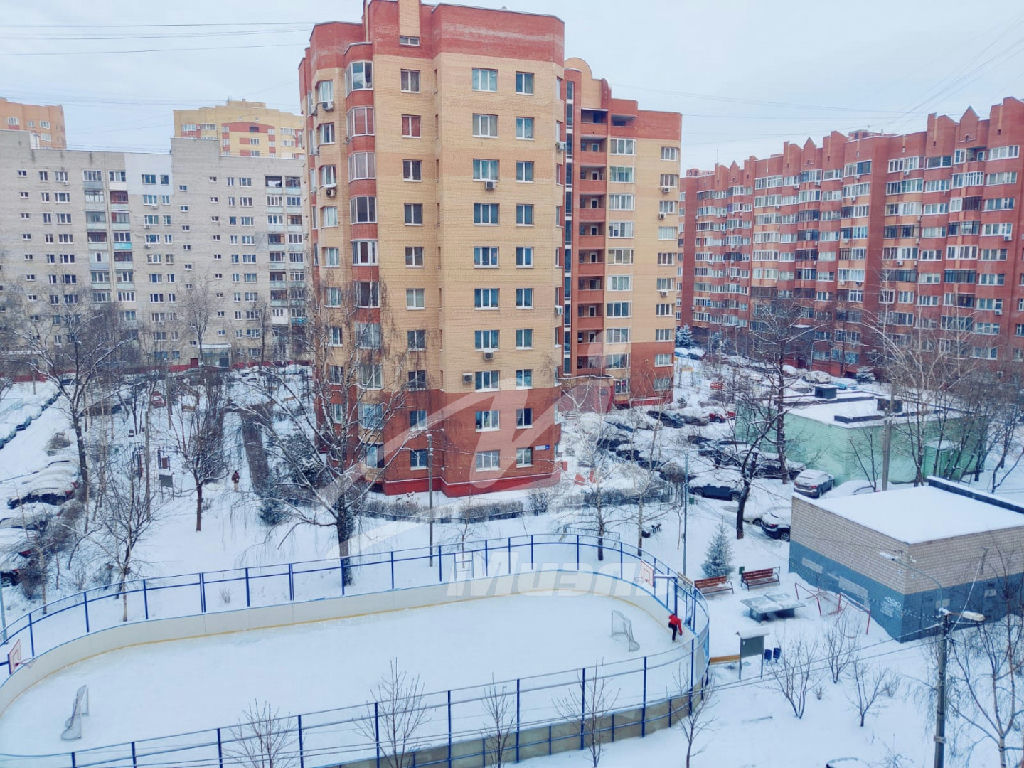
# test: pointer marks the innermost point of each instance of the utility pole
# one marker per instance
(940, 697)
(430, 492)
(3, 615)
(686, 506)
(887, 440)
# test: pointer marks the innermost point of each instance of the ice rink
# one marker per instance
(171, 687)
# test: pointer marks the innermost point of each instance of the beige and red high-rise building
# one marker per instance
(452, 153)
(243, 128)
(44, 122)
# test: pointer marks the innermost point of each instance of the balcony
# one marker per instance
(122, 246)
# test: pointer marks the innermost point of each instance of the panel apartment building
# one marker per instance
(43, 122)
(243, 128)
(453, 151)
(143, 230)
(917, 233)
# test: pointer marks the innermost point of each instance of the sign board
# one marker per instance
(751, 646)
(646, 573)
(14, 657)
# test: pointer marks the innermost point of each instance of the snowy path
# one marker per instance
(171, 687)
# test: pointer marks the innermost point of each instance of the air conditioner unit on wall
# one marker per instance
(327, 106)
(490, 185)
(467, 378)
(488, 354)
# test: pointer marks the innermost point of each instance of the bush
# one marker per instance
(539, 502)
(272, 512)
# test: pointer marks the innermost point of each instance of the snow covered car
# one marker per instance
(668, 419)
(813, 482)
(717, 485)
(14, 556)
(775, 523)
(53, 485)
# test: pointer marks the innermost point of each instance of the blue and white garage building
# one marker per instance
(905, 553)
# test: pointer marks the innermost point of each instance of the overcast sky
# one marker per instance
(747, 74)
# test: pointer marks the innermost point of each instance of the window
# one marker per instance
(486, 380)
(410, 79)
(485, 340)
(668, 233)
(412, 170)
(620, 282)
(418, 457)
(485, 213)
(414, 255)
(524, 457)
(485, 126)
(417, 379)
(524, 338)
(414, 298)
(360, 121)
(411, 126)
(364, 253)
(524, 256)
(487, 460)
(485, 170)
(325, 91)
(620, 229)
(487, 421)
(669, 180)
(621, 203)
(524, 170)
(359, 76)
(618, 309)
(411, 40)
(663, 334)
(414, 213)
(485, 298)
(485, 79)
(524, 298)
(329, 216)
(524, 417)
(524, 83)
(622, 146)
(524, 127)
(325, 133)
(524, 214)
(367, 293)
(662, 359)
(416, 340)
(485, 256)
(617, 335)
(622, 174)
(361, 165)
(670, 153)
(363, 210)
(524, 378)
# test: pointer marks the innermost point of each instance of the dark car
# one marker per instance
(716, 486)
(627, 453)
(698, 440)
(776, 522)
(610, 442)
(668, 419)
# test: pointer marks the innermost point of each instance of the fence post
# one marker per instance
(692, 651)
(577, 551)
(202, 592)
(583, 705)
(145, 600)
(613, 727)
(621, 566)
(643, 707)
(341, 565)
(392, 569)
(440, 572)
(291, 583)
(376, 729)
(531, 551)
(248, 596)
(302, 757)
(449, 729)
(31, 635)
(85, 605)
(509, 550)
(220, 751)
(518, 716)
(74, 762)
(135, 760)
(487, 570)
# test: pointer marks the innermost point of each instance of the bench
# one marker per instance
(760, 577)
(712, 585)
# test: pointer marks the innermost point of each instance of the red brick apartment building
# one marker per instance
(505, 224)
(914, 231)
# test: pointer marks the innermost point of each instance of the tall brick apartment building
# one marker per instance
(496, 214)
(912, 232)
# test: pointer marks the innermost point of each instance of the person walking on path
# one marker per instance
(235, 477)
(675, 625)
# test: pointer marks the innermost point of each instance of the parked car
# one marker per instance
(698, 440)
(627, 453)
(610, 442)
(769, 466)
(667, 418)
(813, 482)
(775, 523)
(157, 400)
(14, 556)
(53, 485)
(724, 452)
(716, 485)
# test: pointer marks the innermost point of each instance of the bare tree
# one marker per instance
(261, 739)
(643, 474)
(395, 716)
(197, 309)
(840, 646)
(500, 712)
(1003, 439)
(794, 673)
(866, 452)
(870, 683)
(699, 714)
(197, 430)
(756, 420)
(590, 702)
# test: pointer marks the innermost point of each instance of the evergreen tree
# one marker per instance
(684, 338)
(718, 558)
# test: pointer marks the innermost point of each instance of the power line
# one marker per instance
(149, 50)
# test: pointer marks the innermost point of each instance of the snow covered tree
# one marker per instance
(500, 714)
(684, 337)
(718, 558)
(871, 682)
(262, 739)
(395, 716)
(197, 430)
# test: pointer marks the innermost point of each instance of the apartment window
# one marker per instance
(524, 256)
(418, 457)
(363, 210)
(621, 202)
(416, 340)
(622, 146)
(485, 170)
(663, 334)
(524, 83)
(524, 298)
(364, 253)
(485, 298)
(670, 153)
(618, 309)
(524, 457)
(362, 165)
(485, 79)
(412, 170)
(329, 216)
(410, 79)
(149, 178)
(524, 378)
(325, 91)
(367, 294)
(622, 174)
(668, 233)
(414, 256)
(360, 121)
(359, 76)
(368, 335)
(669, 180)
(524, 338)
(620, 283)
(524, 170)
(325, 133)
(524, 127)
(410, 40)
(620, 256)
(417, 379)
(414, 298)
(524, 417)
(617, 335)
(485, 213)
(487, 421)
(485, 381)
(524, 214)
(411, 126)
(620, 229)
(414, 213)
(485, 256)
(486, 340)
(485, 126)
(487, 460)
(662, 359)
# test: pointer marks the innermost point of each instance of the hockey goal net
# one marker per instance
(623, 627)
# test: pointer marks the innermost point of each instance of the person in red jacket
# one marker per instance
(675, 625)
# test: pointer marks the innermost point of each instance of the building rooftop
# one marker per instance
(924, 513)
